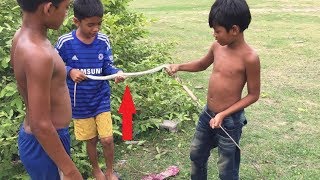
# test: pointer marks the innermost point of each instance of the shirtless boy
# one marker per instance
(44, 141)
(235, 64)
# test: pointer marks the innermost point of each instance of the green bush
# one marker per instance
(157, 97)
(11, 106)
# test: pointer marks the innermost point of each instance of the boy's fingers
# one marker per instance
(119, 79)
(168, 70)
(211, 123)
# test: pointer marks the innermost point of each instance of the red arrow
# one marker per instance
(127, 109)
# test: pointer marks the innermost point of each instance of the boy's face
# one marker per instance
(88, 27)
(222, 36)
(59, 13)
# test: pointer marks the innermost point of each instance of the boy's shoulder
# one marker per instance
(247, 52)
(64, 38)
(215, 45)
(250, 54)
(103, 37)
(102, 34)
(66, 35)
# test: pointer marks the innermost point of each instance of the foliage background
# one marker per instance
(157, 97)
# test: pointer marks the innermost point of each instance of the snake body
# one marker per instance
(132, 74)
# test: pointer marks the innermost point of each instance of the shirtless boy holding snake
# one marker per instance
(235, 63)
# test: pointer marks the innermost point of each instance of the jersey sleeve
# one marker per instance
(108, 67)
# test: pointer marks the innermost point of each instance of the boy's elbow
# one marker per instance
(38, 128)
(255, 97)
(202, 67)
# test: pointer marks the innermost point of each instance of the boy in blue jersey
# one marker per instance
(85, 51)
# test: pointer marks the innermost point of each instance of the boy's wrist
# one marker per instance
(69, 69)
(70, 169)
(178, 67)
(223, 114)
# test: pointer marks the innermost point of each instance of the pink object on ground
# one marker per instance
(170, 171)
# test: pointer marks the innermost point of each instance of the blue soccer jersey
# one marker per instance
(92, 96)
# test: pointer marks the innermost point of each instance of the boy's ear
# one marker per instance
(76, 21)
(47, 8)
(235, 29)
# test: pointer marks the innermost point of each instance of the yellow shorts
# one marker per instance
(101, 125)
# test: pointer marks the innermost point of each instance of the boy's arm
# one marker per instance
(252, 65)
(195, 65)
(38, 74)
(108, 66)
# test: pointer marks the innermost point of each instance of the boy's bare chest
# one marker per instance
(59, 71)
(228, 63)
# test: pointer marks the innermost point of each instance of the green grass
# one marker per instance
(282, 137)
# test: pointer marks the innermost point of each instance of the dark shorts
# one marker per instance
(35, 160)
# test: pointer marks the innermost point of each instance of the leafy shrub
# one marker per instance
(156, 96)
(11, 106)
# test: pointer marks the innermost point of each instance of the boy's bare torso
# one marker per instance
(228, 76)
(59, 100)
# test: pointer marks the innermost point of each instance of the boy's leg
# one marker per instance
(93, 158)
(229, 153)
(108, 152)
(86, 130)
(104, 127)
(203, 141)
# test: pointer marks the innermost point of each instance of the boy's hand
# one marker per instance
(172, 69)
(120, 77)
(77, 75)
(216, 122)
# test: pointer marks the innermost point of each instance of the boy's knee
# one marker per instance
(93, 141)
(106, 141)
(194, 154)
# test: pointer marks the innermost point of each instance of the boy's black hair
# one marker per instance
(227, 13)
(32, 5)
(87, 8)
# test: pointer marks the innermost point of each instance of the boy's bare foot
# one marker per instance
(98, 174)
